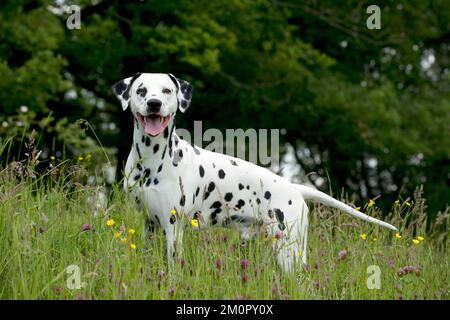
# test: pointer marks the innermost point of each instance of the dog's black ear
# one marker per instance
(184, 92)
(122, 90)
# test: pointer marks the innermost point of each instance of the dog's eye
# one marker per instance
(167, 91)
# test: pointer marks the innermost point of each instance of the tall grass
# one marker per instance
(47, 224)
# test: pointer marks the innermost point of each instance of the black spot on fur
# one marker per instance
(136, 177)
(156, 148)
(156, 181)
(241, 186)
(211, 186)
(206, 195)
(248, 187)
(281, 226)
(147, 141)
(166, 132)
(228, 196)
(216, 204)
(143, 139)
(233, 163)
(280, 215)
(240, 203)
(139, 167)
(258, 201)
(221, 174)
(146, 172)
(267, 195)
(164, 152)
(138, 151)
(201, 170)
(172, 219)
(149, 181)
(160, 167)
(197, 191)
(290, 202)
(270, 213)
(180, 153)
(120, 87)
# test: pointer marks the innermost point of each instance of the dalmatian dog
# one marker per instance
(174, 182)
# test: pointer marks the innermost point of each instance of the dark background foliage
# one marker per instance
(368, 108)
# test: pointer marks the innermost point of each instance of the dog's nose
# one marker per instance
(153, 105)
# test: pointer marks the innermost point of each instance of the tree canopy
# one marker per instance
(368, 108)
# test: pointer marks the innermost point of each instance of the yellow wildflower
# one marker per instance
(131, 231)
(133, 246)
(358, 208)
(80, 158)
(415, 241)
(371, 203)
(110, 222)
(363, 236)
(52, 158)
(375, 239)
(398, 235)
(194, 223)
(420, 238)
(173, 211)
(299, 253)
(408, 203)
(117, 235)
(397, 202)
(124, 240)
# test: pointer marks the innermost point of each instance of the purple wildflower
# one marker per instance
(408, 269)
(316, 284)
(85, 227)
(244, 278)
(218, 263)
(171, 291)
(274, 290)
(342, 254)
(244, 263)
(41, 229)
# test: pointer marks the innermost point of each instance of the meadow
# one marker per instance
(47, 223)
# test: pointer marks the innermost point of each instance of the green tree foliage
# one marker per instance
(369, 108)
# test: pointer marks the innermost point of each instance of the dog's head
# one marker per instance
(154, 99)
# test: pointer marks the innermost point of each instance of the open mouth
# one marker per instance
(153, 124)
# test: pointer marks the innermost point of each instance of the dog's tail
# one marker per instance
(318, 196)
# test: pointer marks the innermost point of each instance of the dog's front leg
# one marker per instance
(174, 239)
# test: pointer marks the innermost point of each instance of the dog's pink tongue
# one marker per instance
(153, 126)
